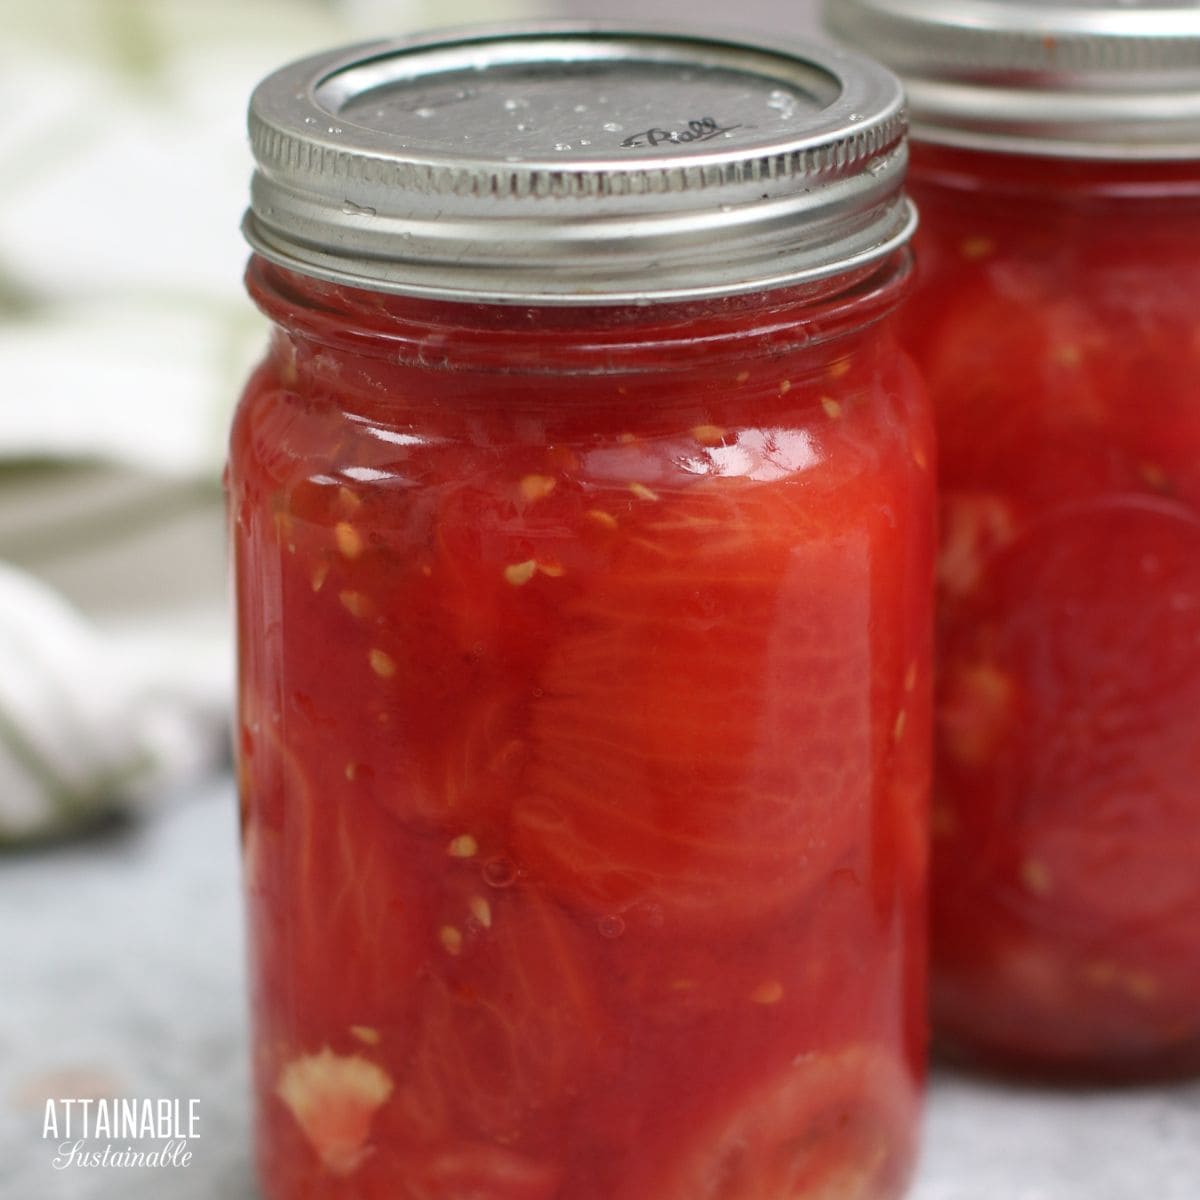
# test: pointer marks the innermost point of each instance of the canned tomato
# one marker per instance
(582, 519)
(1057, 167)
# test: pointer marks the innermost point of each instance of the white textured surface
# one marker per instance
(123, 973)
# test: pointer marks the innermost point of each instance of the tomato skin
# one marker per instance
(585, 745)
(1054, 318)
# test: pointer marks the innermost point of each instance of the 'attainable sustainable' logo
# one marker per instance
(101, 1132)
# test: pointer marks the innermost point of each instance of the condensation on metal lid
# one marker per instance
(1113, 79)
(574, 163)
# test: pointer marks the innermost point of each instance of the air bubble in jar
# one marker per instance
(499, 872)
(610, 926)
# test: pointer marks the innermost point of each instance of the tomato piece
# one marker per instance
(700, 749)
(1064, 883)
(974, 527)
(333, 1099)
(826, 1126)
(390, 632)
(1015, 990)
(510, 1019)
(1087, 634)
(1030, 388)
(323, 898)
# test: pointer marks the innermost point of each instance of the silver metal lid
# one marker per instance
(577, 163)
(1071, 78)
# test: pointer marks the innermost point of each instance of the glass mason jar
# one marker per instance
(1057, 169)
(582, 519)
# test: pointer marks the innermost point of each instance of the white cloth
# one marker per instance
(85, 727)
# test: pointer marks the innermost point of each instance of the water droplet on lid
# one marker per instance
(424, 112)
(310, 120)
(357, 210)
(853, 117)
(783, 102)
(515, 102)
(562, 145)
(612, 127)
(522, 127)
(499, 872)
(610, 926)
(581, 108)
(333, 129)
(585, 141)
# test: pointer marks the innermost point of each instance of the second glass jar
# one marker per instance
(1055, 318)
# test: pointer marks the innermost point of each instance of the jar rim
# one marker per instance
(1100, 79)
(587, 339)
